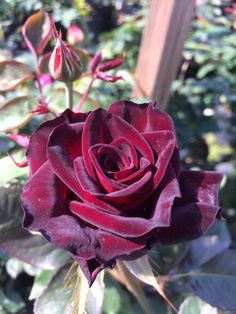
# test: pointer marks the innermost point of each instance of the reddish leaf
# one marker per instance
(16, 113)
(37, 32)
(20, 164)
(43, 63)
(12, 74)
(20, 139)
(111, 64)
(108, 78)
(40, 109)
(95, 61)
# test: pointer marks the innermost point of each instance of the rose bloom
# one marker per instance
(107, 184)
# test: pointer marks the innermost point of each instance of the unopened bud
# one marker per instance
(64, 63)
(75, 35)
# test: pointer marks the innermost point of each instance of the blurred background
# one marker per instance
(202, 102)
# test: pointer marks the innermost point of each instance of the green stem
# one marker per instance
(69, 95)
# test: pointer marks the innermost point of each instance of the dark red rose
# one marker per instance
(107, 185)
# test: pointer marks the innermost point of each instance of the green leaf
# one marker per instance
(16, 113)
(205, 69)
(112, 301)
(41, 281)
(12, 74)
(10, 209)
(203, 249)
(95, 297)
(14, 267)
(142, 269)
(10, 302)
(215, 281)
(54, 299)
(194, 305)
(116, 299)
(19, 243)
(37, 32)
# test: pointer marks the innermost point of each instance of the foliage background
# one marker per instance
(203, 106)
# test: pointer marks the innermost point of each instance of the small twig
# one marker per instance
(85, 96)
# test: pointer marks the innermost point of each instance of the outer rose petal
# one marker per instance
(119, 225)
(165, 196)
(44, 195)
(36, 152)
(200, 186)
(195, 212)
(188, 223)
(112, 247)
(144, 117)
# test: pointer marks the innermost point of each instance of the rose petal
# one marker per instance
(119, 225)
(108, 128)
(200, 186)
(144, 117)
(63, 167)
(163, 143)
(125, 145)
(167, 192)
(112, 247)
(36, 152)
(108, 184)
(188, 223)
(137, 175)
(43, 196)
(83, 178)
(136, 190)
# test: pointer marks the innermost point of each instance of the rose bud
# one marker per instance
(107, 185)
(75, 35)
(64, 63)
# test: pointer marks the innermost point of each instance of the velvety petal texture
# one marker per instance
(107, 185)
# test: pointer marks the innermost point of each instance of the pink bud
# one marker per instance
(75, 35)
(64, 63)
(96, 61)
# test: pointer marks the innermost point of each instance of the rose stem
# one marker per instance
(85, 96)
(69, 95)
